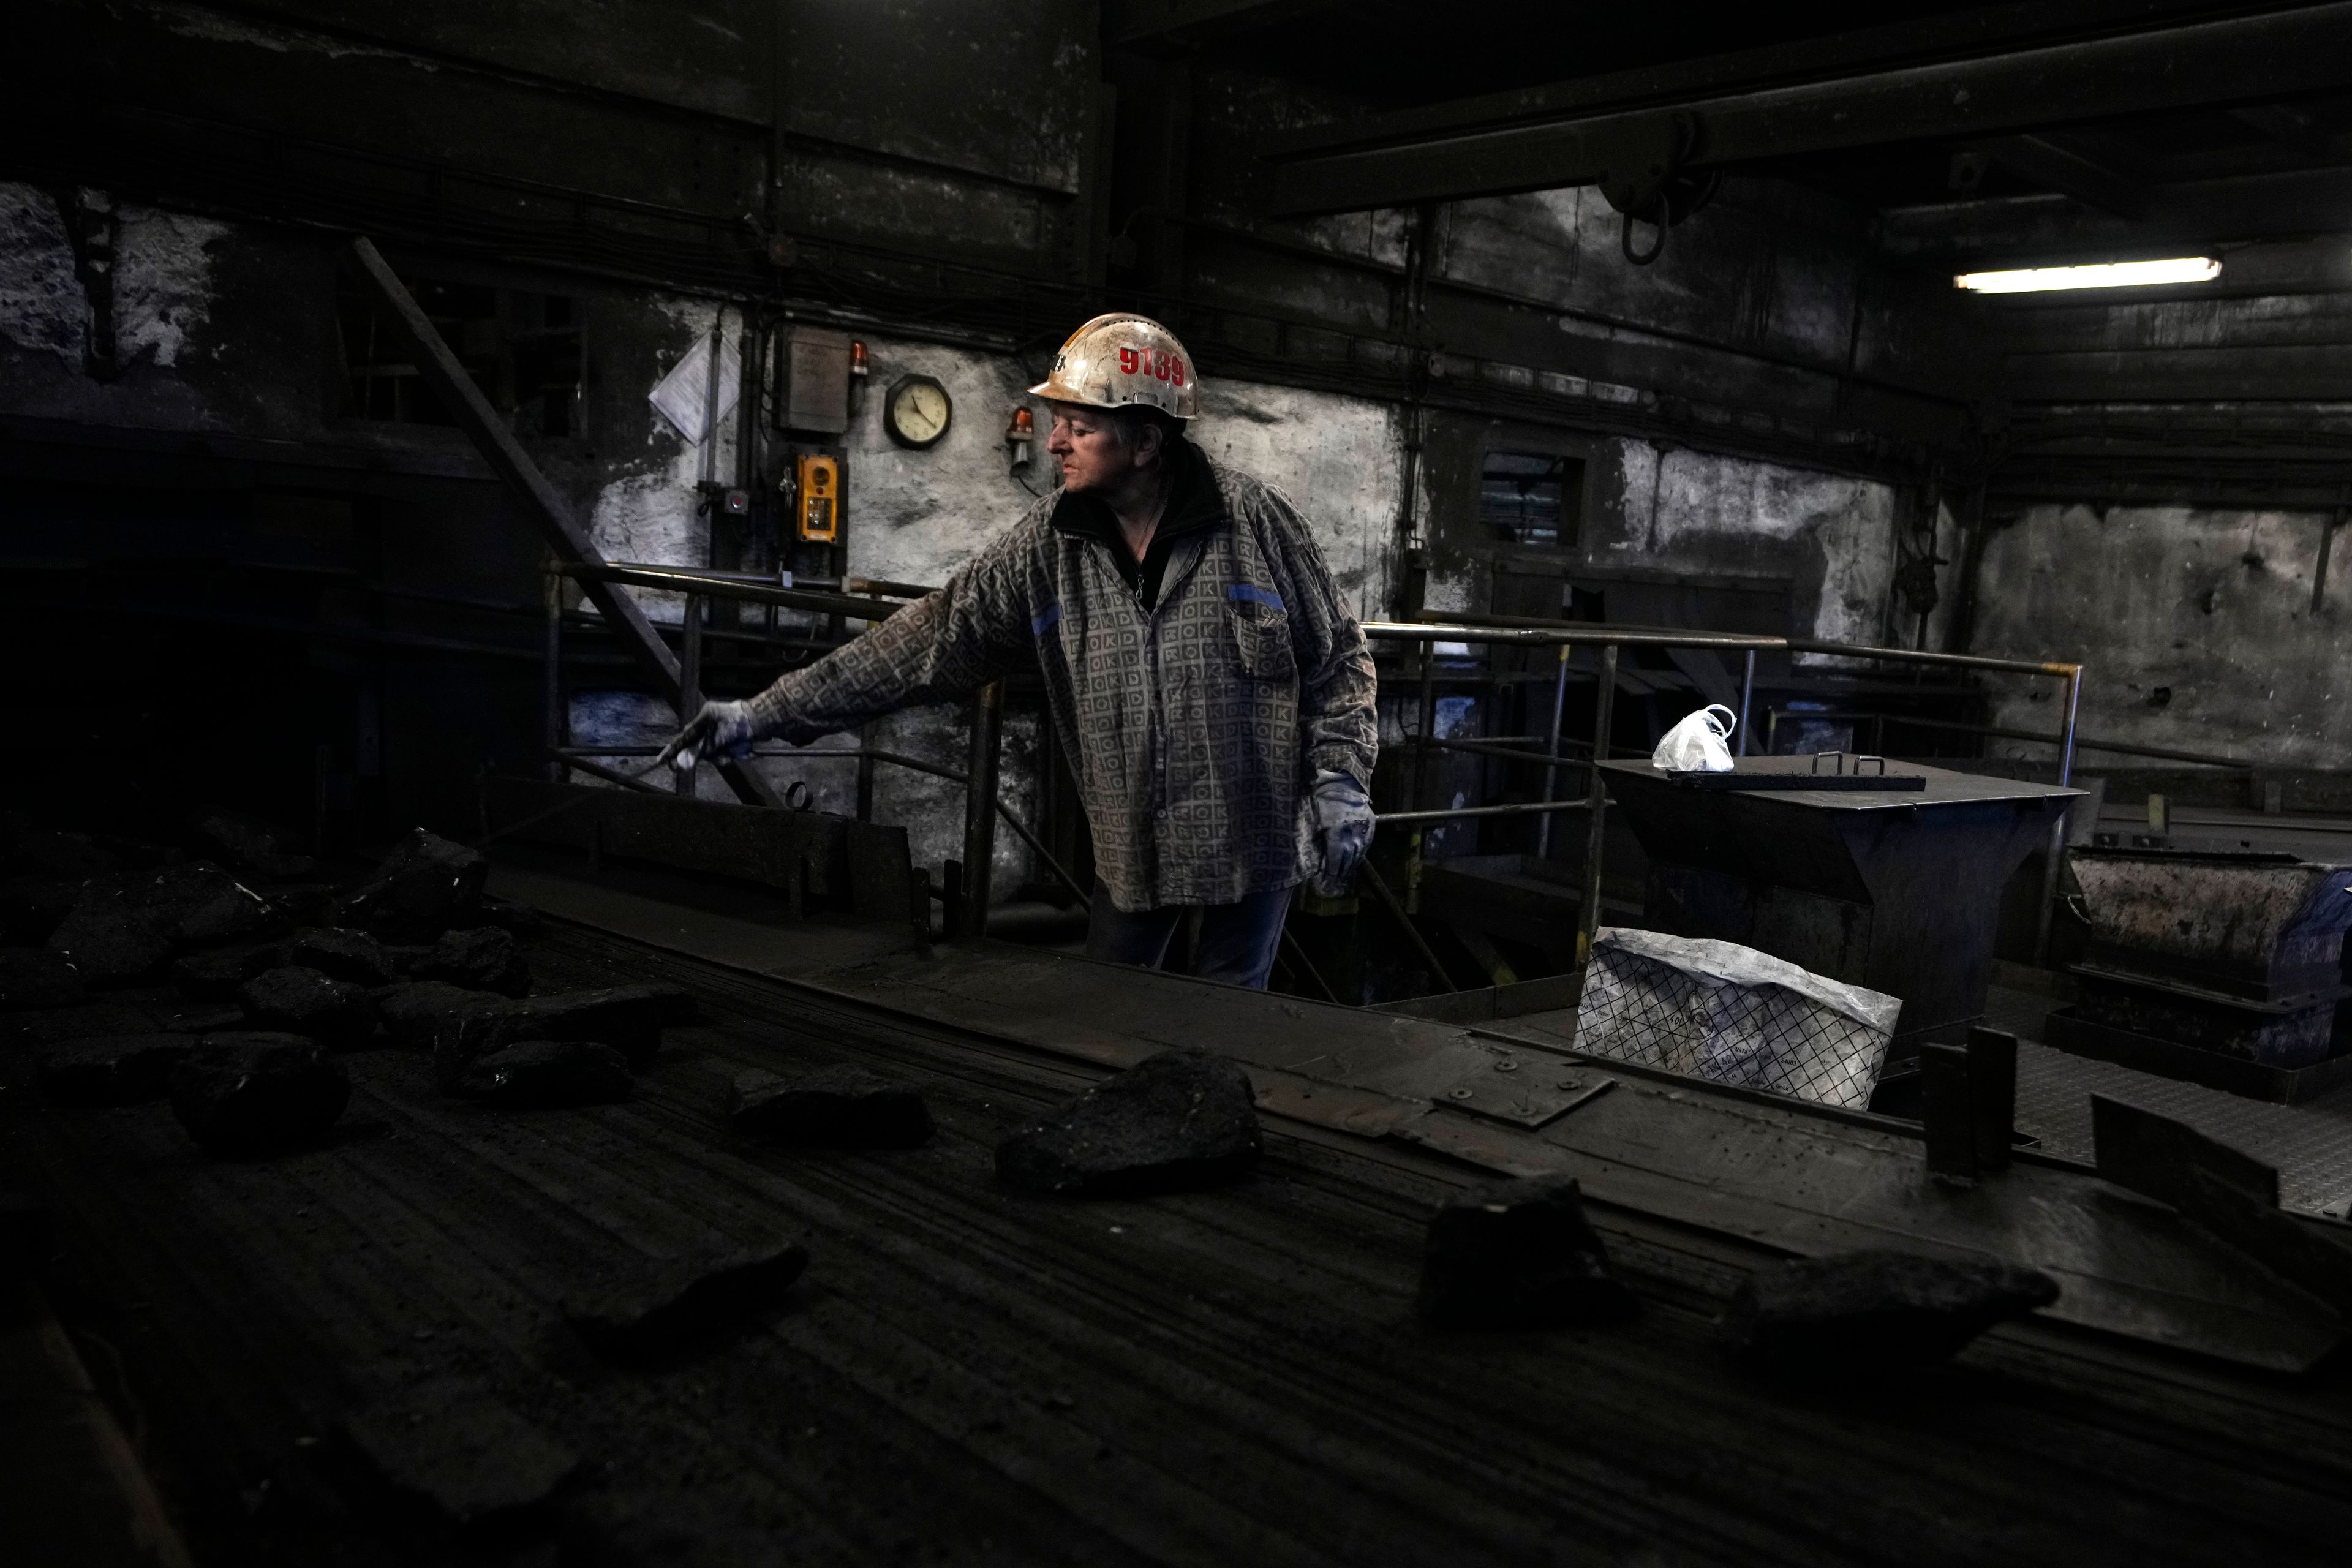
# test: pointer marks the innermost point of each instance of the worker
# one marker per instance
(1213, 694)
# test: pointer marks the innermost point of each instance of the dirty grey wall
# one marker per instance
(2169, 460)
(1831, 537)
(916, 516)
(2197, 623)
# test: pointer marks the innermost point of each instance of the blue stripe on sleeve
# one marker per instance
(1254, 595)
(1040, 625)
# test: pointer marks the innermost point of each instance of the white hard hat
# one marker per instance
(1124, 362)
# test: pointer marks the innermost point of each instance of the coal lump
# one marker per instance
(35, 977)
(484, 958)
(629, 1018)
(1517, 1255)
(650, 1308)
(246, 1094)
(835, 1107)
(1179, 1121)
(422, 889)
(304, 1002)
(340, 953)
(121, 1069)
(1862, 1313)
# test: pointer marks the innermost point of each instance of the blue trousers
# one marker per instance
(1237, 940)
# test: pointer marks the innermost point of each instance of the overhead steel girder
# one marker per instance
(2050, 228)
(2238, 59)
(2049, 161)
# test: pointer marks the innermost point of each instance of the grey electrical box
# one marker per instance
(815, 366)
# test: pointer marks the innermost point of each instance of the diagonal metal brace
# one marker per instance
(549, 511)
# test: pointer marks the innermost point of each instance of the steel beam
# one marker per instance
(1914, 41)
(2290, 128)
(2048, 161)
(546, 505)
(2232, 60)
(2049, 229)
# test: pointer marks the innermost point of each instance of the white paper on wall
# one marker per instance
(679, 396)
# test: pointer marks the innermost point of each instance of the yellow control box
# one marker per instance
(817, 482)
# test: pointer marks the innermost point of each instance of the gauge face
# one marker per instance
(918, 412)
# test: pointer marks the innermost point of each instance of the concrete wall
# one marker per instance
(2197, 624)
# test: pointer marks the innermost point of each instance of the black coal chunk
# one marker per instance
(32, 907)
(452, 1446)
(482, 959)
(196, 1017)
(199, 902)
(121, 1070)
(215, 975)
(1855, 1314)
(124, 927)
(659, 1307)
(252, 845)
(412, 1010)
(86, 1020)
(257, 1093)
(36, 977)
(521, 919)
(837, 1108)
(301, 1000)
(112, 946)
(340, 953)
(1517, 1255)
(421, 890)
(669, 1530)
(543, 1074)
(1182, 1119)
(629, 1018)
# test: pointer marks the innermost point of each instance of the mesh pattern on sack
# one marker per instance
(1638, 1010)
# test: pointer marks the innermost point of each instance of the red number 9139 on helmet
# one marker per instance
(1121, 362)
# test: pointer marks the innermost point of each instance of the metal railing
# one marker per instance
(1532, 631)
(1883, 721)
(983, 807)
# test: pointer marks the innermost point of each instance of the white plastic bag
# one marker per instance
(1695, 745)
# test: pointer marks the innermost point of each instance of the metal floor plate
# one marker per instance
(2310, 1144)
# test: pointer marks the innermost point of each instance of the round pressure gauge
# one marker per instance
(917, 411)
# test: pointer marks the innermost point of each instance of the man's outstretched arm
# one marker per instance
(943, 645)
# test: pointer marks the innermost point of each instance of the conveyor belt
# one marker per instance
(968, 1375)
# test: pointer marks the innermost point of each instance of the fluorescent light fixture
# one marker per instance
(2105, 275)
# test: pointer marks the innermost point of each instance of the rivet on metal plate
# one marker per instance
(1463, 1093)
(1506, 1067)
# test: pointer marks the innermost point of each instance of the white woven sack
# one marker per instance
(1728, 1014)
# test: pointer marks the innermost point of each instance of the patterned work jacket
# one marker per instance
(1196, 728)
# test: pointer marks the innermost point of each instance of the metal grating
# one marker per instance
(2310, 1144)
(1640, 1010)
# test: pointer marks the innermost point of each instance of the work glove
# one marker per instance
(720, 729)
(1339, 817)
